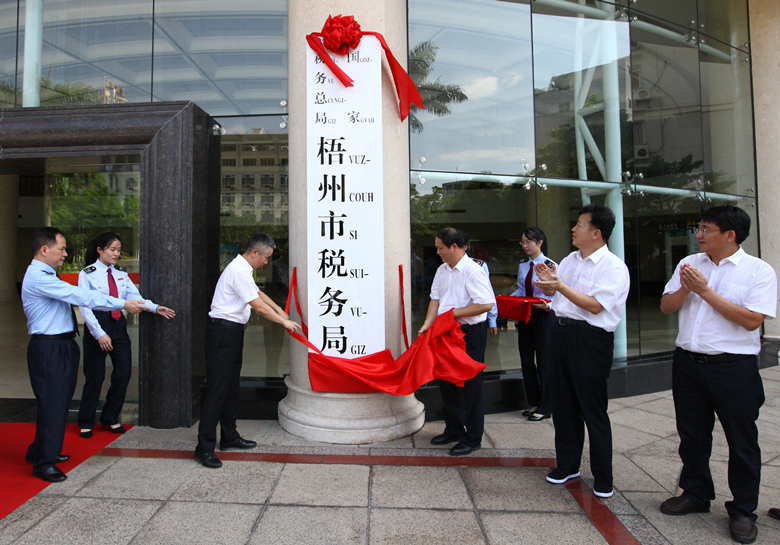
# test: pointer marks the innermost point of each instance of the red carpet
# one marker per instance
(17, 482)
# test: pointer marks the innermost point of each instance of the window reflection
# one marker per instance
(476, 83)
(254, 199)
(622, 117)
(494, 211)
(582, 117)
(680, 12)
(725, 20)
(93, 52)
(666, 105)
(727, 120)
(228, 57)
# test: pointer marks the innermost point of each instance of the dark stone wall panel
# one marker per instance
(179, 261)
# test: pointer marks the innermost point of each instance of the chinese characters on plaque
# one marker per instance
(345, 225)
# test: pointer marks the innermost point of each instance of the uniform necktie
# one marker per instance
(529, 286)
(113, 292)
(72, 313)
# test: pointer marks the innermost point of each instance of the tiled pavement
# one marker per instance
(145, 488)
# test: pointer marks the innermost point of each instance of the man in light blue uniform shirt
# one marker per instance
(53, 354)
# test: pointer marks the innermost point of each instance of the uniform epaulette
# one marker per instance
(478, 261)
(525, 260)
(122, 269)
(90, 269)
(48, 272)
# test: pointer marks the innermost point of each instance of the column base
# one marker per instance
(350, 419)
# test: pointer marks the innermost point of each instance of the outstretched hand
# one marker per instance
(134, 307)
(166, 312)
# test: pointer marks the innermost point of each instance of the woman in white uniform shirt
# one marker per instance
(534, 337)
(107, 334)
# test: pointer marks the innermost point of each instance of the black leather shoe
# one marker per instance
(119, 429)
(742, 529)
(51, 475)
(444, 439)
(529, 412)
(238, 443)
(208, 459)
(85, 434)
(536, 417)
(461, 450)
(774, 512)
(680, 505)
(59, 459)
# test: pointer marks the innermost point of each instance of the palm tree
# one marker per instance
(437, 96)
(60, 94)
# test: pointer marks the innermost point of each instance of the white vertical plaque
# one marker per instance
(345, 224)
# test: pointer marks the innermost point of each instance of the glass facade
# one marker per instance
(229, 57)
(533, 109)
(255, 198)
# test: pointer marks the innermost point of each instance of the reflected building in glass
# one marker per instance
(531, 110)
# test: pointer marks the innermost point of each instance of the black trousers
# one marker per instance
(534, 338)
(464, 407)
(581, 360)
(734, 392)
(95, 372)
(53, 366)
(224, 357)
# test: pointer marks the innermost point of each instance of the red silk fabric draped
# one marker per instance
(439, 353)
(516, 308)
(339, 35)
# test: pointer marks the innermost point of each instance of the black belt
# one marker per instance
(60, 337)
(715, 358)
(227, 323)
(466, 326)
(582, 324)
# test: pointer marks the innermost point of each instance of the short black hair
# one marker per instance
(601, 217)
(44, 236)
(260, 241)
(728, 218)
(450, 236)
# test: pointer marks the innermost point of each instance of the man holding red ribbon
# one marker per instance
(462, 286)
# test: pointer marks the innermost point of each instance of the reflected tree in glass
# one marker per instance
(82, 207)
(60, 94)
(436, 95)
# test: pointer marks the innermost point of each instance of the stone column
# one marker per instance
(9, 227)
(764, 45)
(333, 417)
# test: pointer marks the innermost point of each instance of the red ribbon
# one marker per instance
(439, 353)
(516, 308)
(339, 35)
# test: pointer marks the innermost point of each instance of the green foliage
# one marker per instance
(235, 229)
(437, 96)
(59, 94)
(82, 207)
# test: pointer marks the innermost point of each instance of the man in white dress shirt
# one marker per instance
(236, 294)
(462, 286)
(591, 288)
(723, 296)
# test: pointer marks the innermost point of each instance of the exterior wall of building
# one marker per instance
(765, 44)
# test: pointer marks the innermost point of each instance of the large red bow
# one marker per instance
(339, 35)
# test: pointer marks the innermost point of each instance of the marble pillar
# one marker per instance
(334, 417)
(764, 45)
(9, 228)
